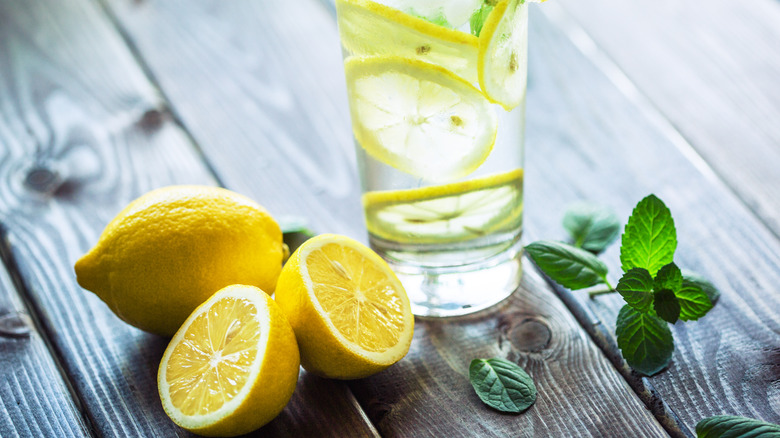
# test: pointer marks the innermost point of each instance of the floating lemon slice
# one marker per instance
(350, 313)
(372, 29)
(447, 213)
(419, 118)
(503, 54)
(232, 366)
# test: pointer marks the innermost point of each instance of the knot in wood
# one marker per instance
(43, 179)
(530, 335)
(151, 120)
(14, 325)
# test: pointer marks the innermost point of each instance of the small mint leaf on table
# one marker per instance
(668, 277)
(502, 385)
(571, 267)
(666, 305)
(694, 301)
(712, 292)
(731, 426)
(650, 238)
(592, 227)
(636, 288)
(645, 340)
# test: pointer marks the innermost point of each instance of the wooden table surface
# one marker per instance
(103, 100)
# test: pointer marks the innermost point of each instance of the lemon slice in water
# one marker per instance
(503, 54)
(419, 118)
(447, 213)
(370, 28)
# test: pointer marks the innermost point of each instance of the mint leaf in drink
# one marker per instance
(668, 277)
(478, 18)
(645, 340)
(712, 292)
(438, 18)
(592, 227)
(694, 301)
(730, 426)
(636, 288)
(650, 238)
(502, 385)
(571, 267)
(666, 305)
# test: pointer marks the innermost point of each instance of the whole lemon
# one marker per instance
(172, 248)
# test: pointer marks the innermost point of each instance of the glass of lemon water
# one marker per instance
(436, 91)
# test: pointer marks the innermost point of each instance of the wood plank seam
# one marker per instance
(7, 261)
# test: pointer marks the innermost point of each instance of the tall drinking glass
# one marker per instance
(436, 91)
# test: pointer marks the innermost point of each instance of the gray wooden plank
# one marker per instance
(596, 137)
(711, 67)
(82, 133)
(174, 38)
(34, 399)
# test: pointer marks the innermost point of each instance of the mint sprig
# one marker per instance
(732, 426)
(654, 288)
(502, 385)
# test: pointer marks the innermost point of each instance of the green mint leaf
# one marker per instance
(502, 385)
(729, 426)
(571, 267)
(694, 301)
(478, 18)
(592, 226)
(645, 340)
(712, 292)
(650, 238)
(666, 305)
(668, 277)
(439, 18)
(636, 288)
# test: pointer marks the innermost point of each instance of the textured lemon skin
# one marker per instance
(322, 352)
(172, 248)
(269, 393)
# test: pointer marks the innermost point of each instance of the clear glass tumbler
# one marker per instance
(436, 91)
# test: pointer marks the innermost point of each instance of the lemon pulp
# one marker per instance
(211, 364)
(357, 297)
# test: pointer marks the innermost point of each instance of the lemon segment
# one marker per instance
(368, 28)
(232, 366)
(419, 118)
(447, 213)
(349, 311)
(503, 54)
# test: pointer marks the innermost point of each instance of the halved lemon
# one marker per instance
(419, 118)
(350, 313)
(232, 366)
(368, 28)
(502, 64)
(447, 213)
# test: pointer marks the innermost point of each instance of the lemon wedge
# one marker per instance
(232, 366)
(368, 28)
(419, 118)
(349, 311)
(447, 213)
(503, 54)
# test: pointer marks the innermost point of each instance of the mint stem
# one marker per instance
(595, 293)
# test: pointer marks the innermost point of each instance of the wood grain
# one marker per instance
(34, 399)
(269, 111)
(711, 68)
(427, 393)
(82, 133)
(592, 138)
